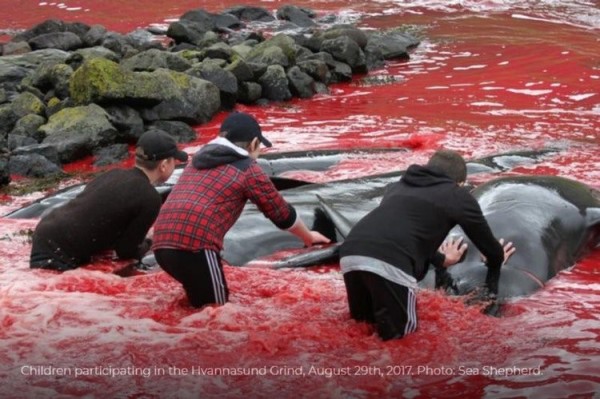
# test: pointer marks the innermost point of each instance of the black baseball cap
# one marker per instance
(242, 127)
(155, 145)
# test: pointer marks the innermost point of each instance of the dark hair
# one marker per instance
(145, 163)
(241, 144)
(450, 163)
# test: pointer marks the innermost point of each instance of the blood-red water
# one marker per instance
(489, 77)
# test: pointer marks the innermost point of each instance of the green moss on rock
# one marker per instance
(96, 79)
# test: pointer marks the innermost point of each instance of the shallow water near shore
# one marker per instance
(489, 77)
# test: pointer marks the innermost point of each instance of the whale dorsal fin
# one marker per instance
(342, 224)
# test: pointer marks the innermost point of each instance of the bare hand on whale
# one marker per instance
(509, 249)
(454, 250)
(309, 237)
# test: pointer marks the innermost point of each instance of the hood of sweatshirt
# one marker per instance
(217, 152)
(422, 176)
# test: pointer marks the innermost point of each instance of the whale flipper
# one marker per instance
(310, 258)
(342, 224)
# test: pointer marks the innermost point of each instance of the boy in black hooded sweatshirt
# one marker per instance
(390, 249)
(207, 200)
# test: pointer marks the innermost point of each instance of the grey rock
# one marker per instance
(28, 126)
(249, 92)
(76, 132)
(111, 154)
(127, 121)
(347, 51)
(153, 59)
(182, 132)
(34, 165)
(300, 83)
(48, 151)
(57, 40)
(298, 16)
(274, 84)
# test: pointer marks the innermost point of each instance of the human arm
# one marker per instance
(271, 203)
(476, 227)
(309, 237)
(133, 243)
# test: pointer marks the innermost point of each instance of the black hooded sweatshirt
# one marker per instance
(413, 219)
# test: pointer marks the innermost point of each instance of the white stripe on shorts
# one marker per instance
(411, 312)
(216, 276)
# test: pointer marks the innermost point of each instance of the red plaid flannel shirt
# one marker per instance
(204, 204)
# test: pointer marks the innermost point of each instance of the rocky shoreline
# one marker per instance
(70, 90)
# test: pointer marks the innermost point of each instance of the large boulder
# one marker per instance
(78, 57)
(249, 13)
(47, 26)
(27, 103)
(159, 95)
(392, 44)
(274, 84)
(301, 17)
(300, 83)
(53, 76)
(127, 121)
(346, 50)
(182, 97)
(14, 68)
(181, 132)
(153, 59)
(280, 50)
(223, 79)
(191, 27)
(98, 80)
(7, 120)
(33, 165)
(76, 132)
(28, 126)
(58, 40)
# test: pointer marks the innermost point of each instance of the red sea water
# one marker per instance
(489, 77)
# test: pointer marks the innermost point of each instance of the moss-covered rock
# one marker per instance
(182, 97)
(27, 103)
(77, 131)
(96, 80)
(284, 42)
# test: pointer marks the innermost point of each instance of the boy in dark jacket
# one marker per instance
(207, 200)
(390, 249)
(114, 211)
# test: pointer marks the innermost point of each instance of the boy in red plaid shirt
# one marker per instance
(207, 200)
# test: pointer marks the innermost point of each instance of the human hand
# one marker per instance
(316, 238)
(453, 249)
(508, 249)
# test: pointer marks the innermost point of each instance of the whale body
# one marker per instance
(552, 222)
